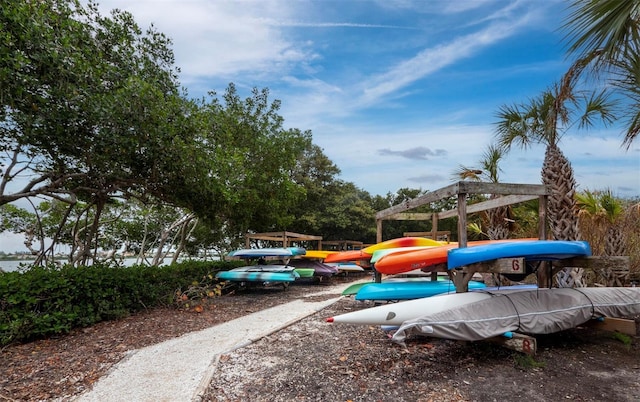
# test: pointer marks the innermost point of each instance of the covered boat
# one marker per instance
(540, 311)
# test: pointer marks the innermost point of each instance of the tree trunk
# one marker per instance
(557, 175)
(165, 235)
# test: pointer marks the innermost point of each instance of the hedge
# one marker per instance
(44, 301)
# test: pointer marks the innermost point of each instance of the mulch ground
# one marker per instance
(316, 361)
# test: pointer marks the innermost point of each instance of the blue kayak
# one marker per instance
(530, 250)
(268, 252)
(409, 290)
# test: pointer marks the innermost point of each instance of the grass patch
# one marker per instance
(624, 338)
(527, 362)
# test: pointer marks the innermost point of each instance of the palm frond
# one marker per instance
(611, 205)
(475, 229)
(467, 173)
(626, 78)
(512, 127)
(598, 105)
(607, 25)
(491, 162)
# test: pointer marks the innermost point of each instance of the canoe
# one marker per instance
(346, 267)
(397, 313)
(408, 290)
(264, 268)
(378, 254)
(353, 289)
(542, 311)
(267, 252)
(426, 259)
(418, 259)
(260, 273)
(305, 272)
(535, 250)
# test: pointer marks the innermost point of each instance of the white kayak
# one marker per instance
(397, 313)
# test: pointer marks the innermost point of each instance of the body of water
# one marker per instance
(13, 265)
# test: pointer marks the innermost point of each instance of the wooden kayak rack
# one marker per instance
(504, 194)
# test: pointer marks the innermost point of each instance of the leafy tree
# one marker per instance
(347, 214)
(92, 113)
(90, 106)
(250, 162)
(79, 117)
(18, 220)
(396, 228)
(316, 173)
(331, 208)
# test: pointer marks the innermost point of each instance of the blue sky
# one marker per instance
(398, 93)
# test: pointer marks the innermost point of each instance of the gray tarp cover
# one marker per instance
(540, 311)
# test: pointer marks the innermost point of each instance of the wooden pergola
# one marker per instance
(286, 238)
(342, 245)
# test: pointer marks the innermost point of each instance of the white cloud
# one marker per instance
(220, 38)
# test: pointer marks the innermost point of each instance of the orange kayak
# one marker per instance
(426, 259)
(349, 255)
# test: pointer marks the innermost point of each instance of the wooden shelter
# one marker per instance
(342, 245)
(286, 238)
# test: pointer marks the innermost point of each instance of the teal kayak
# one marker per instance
(409, 290)
(257, 276)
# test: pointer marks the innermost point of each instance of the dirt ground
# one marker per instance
(313, 360)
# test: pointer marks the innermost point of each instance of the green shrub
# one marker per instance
(44, 301)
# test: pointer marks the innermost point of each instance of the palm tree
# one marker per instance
(497, 219)
(603, 214)
(606, 35)
(543, 120)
